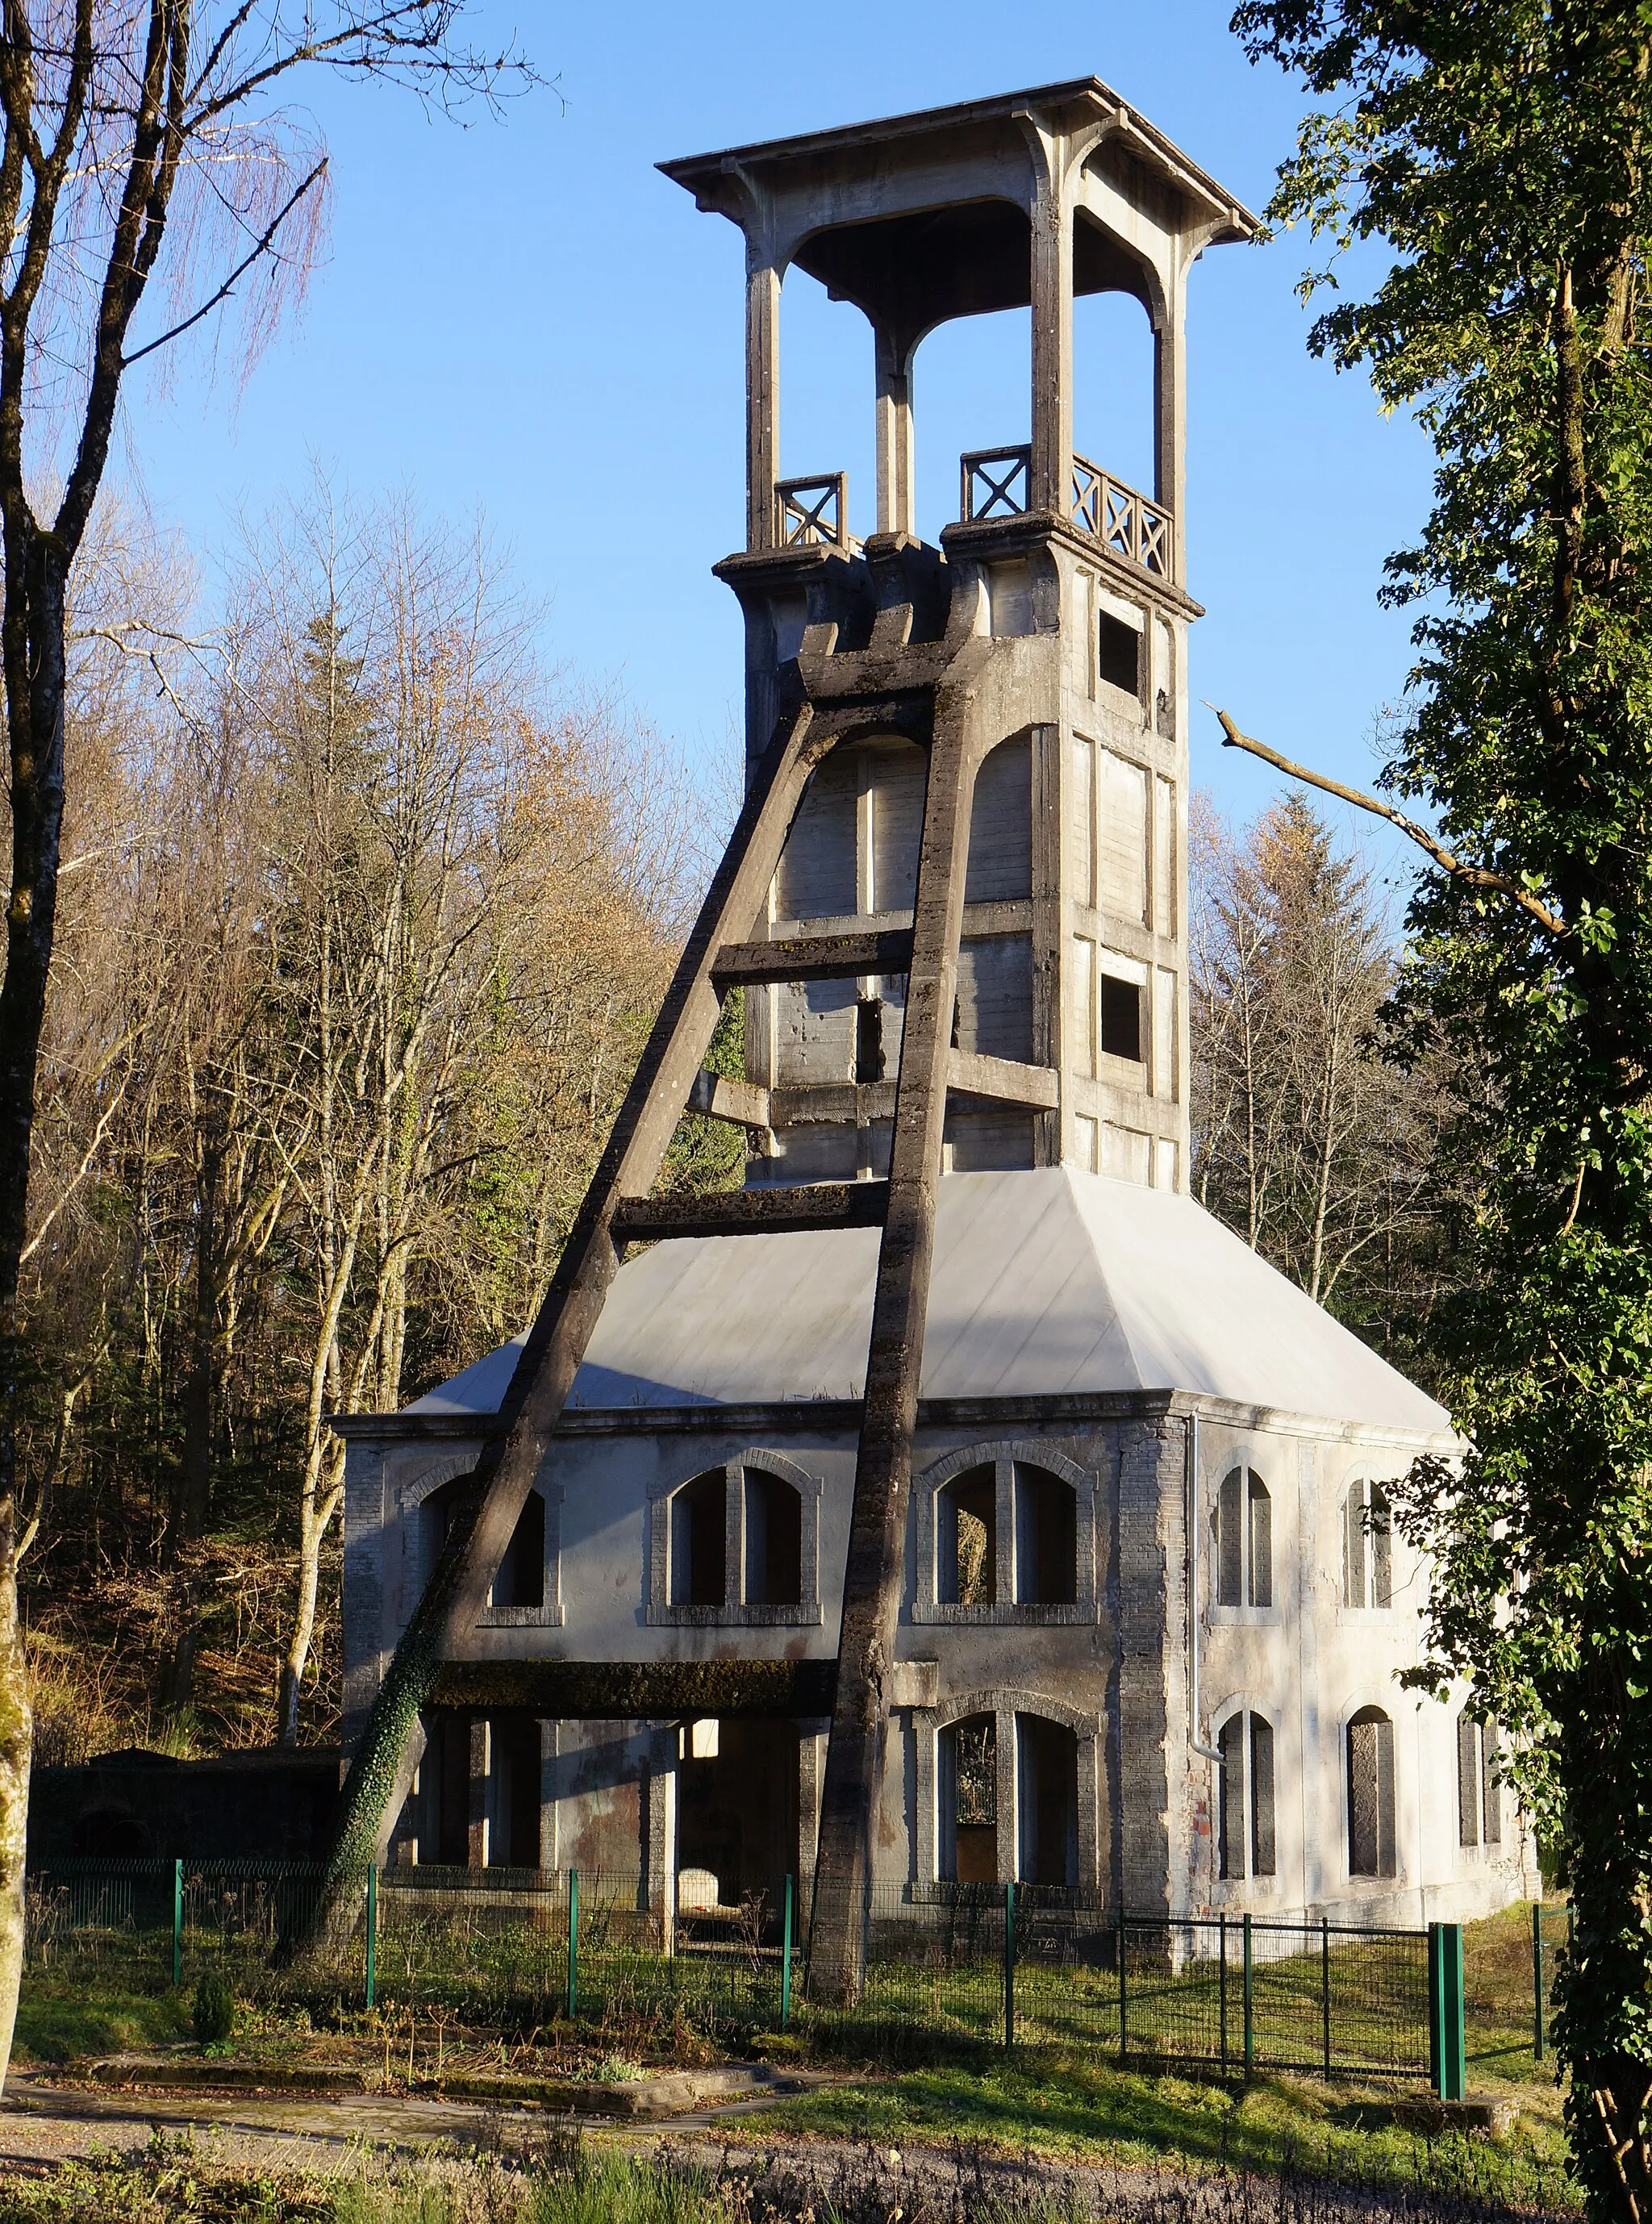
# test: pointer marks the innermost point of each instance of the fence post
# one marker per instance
(177, 1922)
(1221, 1985)
(1009, 1968)
(1250, 2020)
(1325, 1987)
(785, 1960)
(1124, 2012)
(372, 1924)
(573, 1943)
(1537, 1986)
(1453, 2064)
(1448, 2066)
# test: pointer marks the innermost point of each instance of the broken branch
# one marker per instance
(1474, 877)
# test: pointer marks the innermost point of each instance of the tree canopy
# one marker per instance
(1500, 154)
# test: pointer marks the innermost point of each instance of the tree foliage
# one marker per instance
(1307, 1141)
(367, 918)
(1500, 152)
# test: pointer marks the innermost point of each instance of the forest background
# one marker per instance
(368, 905)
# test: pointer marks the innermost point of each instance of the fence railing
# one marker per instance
(1121, 519)
(813, 513)
(962, 1966)
(995, 482)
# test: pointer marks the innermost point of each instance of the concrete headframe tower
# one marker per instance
(1064, 591)
(956, 893)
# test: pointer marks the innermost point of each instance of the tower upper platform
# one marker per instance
(1025, 200)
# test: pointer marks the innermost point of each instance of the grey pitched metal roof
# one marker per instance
(1044, 1283)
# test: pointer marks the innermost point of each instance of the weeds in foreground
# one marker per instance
(564, 2181)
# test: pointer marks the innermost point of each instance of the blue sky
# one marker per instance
(526, 320)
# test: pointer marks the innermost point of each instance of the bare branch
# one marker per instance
(1475, 876)
(240, 271)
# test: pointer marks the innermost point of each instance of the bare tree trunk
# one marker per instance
(200, 1413)
(34, 612)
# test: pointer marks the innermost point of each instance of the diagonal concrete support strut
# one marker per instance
(382, 1771)
(883, 1475)
(928, 692)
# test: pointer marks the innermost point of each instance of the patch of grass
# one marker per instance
(1499, 1982)
(1074, 2107)
(60, 2018)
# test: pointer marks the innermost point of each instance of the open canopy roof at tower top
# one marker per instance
(945, 134)
(920, 219)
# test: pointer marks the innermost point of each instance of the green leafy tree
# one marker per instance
(1500, 152)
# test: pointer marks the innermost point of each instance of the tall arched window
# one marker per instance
(773, 1541)
(738, 1543)
(699, 1541)
(1046, 1798)
(969, 1796)
(967, 1541)
(1046, 1539)
(519, 1584)
(1370, 1794)
(1245, 1823)
(1367, 1547)
(1479, 1783)
(520, 1579)
(1242, 1529)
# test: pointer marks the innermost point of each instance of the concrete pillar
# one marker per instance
(481, 1757)
(1170, 416)
(1050, 475)
(1008, 1772)
(550, 1735)
(659, 1855)
(762, 396)
(1152, 1469)
(896, 460)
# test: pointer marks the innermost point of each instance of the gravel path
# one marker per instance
(43, 2124)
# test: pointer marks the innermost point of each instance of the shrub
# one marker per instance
(214, 2012)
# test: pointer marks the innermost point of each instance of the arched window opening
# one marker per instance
(1367, 1547)
(826, 359)
(1000, 825)
(520, 1579)
(968, 1798)
(1046, 1759)
(1242, 1525)
(972, 389)
(967, 1541)
(773, 1541)
(433, 1516)
(1370, 1794)
(1114, 376)
(1244, 1794)
(1259, 1551)
(1046, 1539)
(1479, 1782)
(699, 1541)
(513, 1793)
(442, 1794)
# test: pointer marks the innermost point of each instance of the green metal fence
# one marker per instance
(956, 1967)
